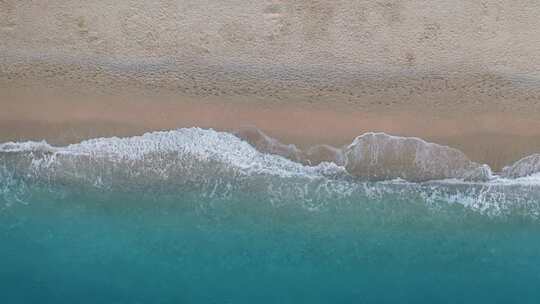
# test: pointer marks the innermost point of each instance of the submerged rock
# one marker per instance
(312, 156)
(266, 144)
(323, 153)
(379, 156)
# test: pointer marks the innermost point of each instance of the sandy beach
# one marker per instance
(269, 151)
(493, 137)
(463, 74)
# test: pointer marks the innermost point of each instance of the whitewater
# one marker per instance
(207, 158)
(201, 216)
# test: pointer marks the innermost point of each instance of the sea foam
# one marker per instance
(375, 167)
(370, 157)
(379, 156)
(524, 167)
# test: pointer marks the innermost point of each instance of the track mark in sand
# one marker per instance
(316, 19)
(141, 28)
(7, 14)
(391, 10)
(276, 20)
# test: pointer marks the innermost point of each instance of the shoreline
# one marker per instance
(462, 75)
(496, 139)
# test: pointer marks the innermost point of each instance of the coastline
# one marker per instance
(494, 138)
(269, 151)
(463, 75)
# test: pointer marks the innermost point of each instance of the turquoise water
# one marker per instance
(217, 222)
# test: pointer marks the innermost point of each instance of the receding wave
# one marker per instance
(219, 164)
(379, 156)
(524, 167)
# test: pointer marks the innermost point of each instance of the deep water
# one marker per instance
(101, 228)
(84, 247)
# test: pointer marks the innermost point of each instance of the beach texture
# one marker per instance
(178, 151)
(463, 74)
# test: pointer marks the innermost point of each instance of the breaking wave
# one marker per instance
(524, 167)
(374, 167)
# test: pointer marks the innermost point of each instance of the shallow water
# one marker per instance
(197, 216)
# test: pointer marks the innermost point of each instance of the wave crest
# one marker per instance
(370, 157)
(379, 156)
(524, 167)
(218, 165)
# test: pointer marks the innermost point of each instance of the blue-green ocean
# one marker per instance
(198, 216)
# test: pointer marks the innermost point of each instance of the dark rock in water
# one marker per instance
(266, 144)
(524, 167)
(323, 153)
(312, 156)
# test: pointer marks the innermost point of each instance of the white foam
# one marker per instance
(379, 156)
(27, 146)
(371, 156)
(217, 164)
(524, 167)
(197, 144)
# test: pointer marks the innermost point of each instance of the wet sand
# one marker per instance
(495, 138)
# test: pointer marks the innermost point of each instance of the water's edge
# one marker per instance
(221, 165)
